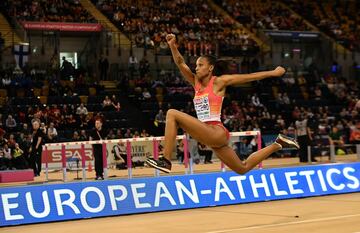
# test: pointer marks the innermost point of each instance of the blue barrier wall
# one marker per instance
(56, 202)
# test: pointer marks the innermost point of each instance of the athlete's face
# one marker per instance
(203, 68)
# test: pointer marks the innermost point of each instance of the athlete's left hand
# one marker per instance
(279, 71)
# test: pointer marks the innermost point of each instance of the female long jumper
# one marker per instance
(207, 127)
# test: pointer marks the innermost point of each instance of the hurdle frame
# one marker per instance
(188, 163)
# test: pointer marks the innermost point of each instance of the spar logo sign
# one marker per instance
(73, 151)
(58, 202)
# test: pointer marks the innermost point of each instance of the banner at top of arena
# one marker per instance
(57, 26)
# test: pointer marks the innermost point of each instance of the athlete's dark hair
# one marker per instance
(220, 66)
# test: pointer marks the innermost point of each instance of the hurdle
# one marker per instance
(82, 144)
(188, 163)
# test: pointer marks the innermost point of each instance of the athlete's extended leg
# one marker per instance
(229, 157)
(213, 136)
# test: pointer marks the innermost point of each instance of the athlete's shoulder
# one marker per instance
(217, 80)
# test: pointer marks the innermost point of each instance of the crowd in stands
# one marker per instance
(198, 26)
(328, 102)
(338, 19)
(263, 14)
(47, 11)
(199, 29)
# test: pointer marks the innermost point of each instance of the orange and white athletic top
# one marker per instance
(207, 103)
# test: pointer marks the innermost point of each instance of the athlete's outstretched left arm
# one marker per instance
(235, 79)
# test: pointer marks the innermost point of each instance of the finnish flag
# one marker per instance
(21, 52)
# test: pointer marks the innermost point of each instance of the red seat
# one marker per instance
(16, 176)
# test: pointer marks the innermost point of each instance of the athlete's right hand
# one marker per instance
(279, 71)
(171, 39)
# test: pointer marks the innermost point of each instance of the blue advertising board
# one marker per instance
(67, 201)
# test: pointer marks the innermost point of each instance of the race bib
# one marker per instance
(202, 107)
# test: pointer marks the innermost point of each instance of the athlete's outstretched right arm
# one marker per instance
(179, 60)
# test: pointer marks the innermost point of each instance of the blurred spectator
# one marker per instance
(256, 101)
(160, 118)
(136, 134)
(26, 145)
(83, 136)
(52, 133)
(10, 123)
(159, 122)
(132, 65)
(25, 129)
(146, 94)
(111, 134)
(118, 134)
(355, 134)
(286, 99)
(43, 128)
(335, 137)
(128, 134)
(120, 156)
(144, 133)
(107, 104)
(7, 157)
(85, 122)
(81, 110)
(71, 121)
(11, 142)
(19, 161)
(115, 103)
(67, 69)
(75, 137)
(163, 47)
(144, 66)
(103, 67)
(3, 142)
